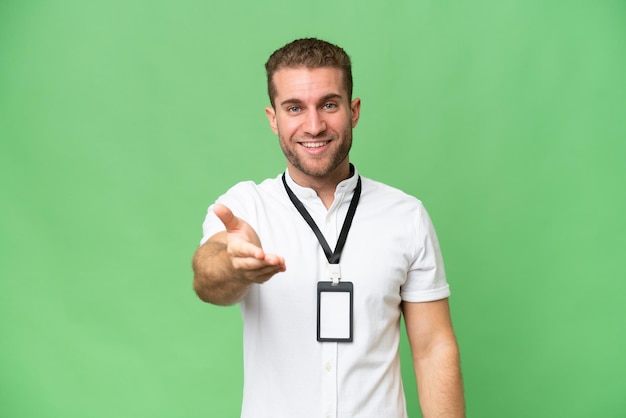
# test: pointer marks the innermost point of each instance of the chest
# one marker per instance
(376, 256)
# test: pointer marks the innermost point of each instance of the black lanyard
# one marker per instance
(333, 257)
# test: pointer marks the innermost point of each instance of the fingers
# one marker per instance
(251, 262)
(254, 270)
(242, 239)
(246, 262)
(244, 249)
(230, 221)
(276, 261)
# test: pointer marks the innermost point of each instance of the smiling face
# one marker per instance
(313, 118)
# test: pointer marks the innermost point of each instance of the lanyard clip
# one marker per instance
(335, 273)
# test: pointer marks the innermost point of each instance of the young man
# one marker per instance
(324, 262)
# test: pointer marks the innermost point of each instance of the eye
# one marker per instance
(294, 109)
(329, 106)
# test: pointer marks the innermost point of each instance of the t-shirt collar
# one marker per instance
(345, 186)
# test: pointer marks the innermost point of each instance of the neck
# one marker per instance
(324, 186)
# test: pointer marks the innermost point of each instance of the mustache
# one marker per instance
(321, 137)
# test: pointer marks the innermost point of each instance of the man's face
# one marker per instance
(313, 118)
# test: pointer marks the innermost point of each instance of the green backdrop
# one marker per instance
(121, 121)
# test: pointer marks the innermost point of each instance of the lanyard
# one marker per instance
(332, 256)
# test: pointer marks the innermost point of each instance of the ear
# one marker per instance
(271, 117)
(355, 107)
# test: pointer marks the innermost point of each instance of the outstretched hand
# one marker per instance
(248, 259)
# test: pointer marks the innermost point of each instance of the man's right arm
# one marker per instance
(231, 261)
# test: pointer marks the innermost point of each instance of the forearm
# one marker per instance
(214, 279)
(440, 387)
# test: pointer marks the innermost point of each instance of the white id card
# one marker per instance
(334, 312)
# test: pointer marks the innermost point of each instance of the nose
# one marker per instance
(314, 124)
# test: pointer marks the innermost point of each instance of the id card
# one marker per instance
(334, 312)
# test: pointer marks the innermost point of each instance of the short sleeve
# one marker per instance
(426, 279)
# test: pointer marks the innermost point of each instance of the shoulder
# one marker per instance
(250, 189)
(381, 194)
(248, 199)
(394, 209)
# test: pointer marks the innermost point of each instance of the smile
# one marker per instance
(314, 144)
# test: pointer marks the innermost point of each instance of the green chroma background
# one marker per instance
(121, 121)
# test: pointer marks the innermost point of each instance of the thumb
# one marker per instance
(230, 221)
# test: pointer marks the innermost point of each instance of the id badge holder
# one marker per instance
(334, 312)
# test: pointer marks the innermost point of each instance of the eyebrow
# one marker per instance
(325, 98)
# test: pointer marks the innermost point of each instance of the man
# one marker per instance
(270, 246)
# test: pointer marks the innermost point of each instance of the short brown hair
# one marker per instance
(309, 53)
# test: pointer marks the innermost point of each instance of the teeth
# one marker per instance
(313, 144)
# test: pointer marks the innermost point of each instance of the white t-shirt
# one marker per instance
(391, 254)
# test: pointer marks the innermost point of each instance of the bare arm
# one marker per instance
(435, 359)
(231, 261)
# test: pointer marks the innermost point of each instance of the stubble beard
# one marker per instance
(334, 160)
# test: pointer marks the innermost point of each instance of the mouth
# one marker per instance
(313, 145)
